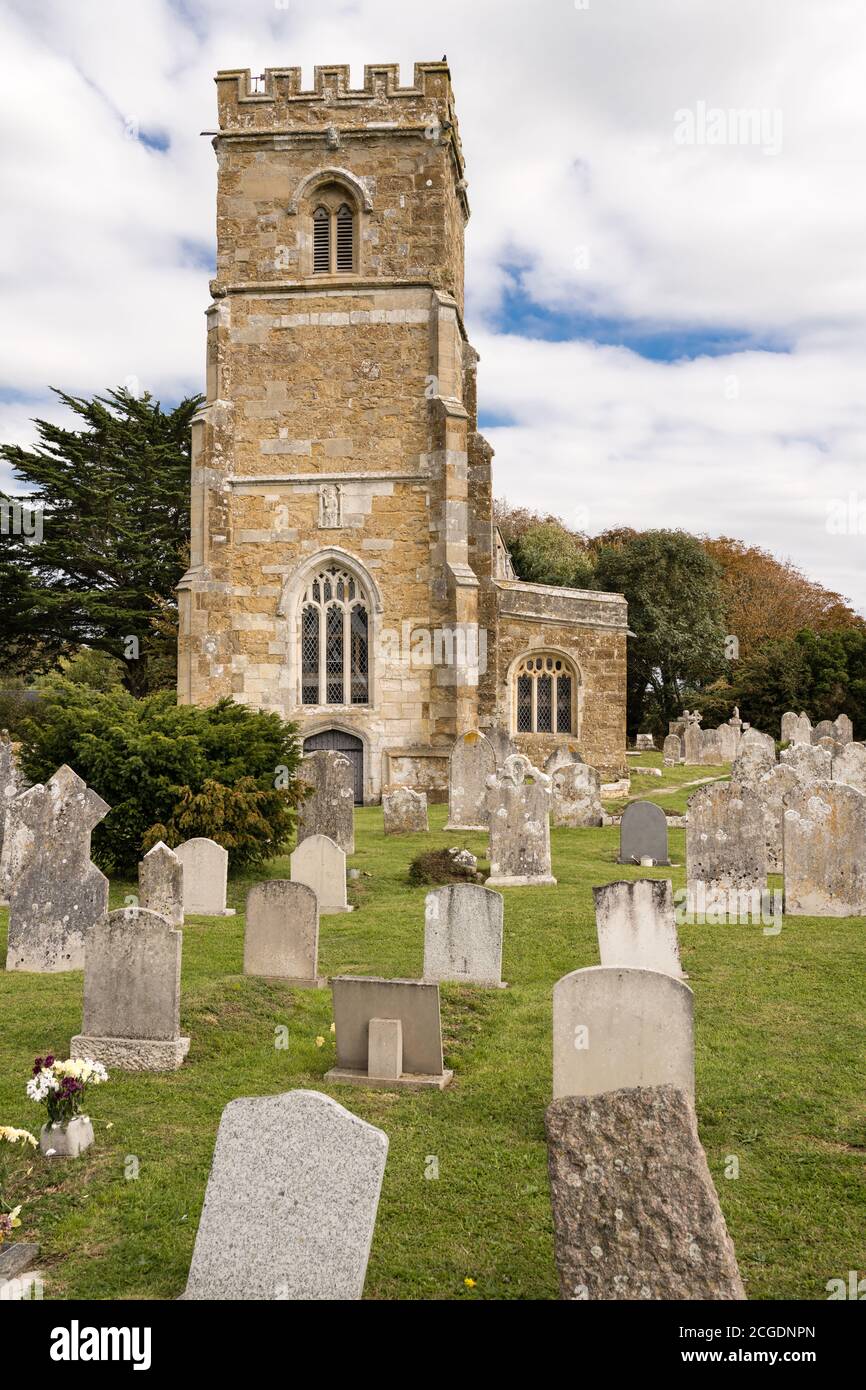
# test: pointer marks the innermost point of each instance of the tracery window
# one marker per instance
(544, 690)
(335, 640)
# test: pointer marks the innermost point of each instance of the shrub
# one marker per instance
(169, 771)
(438, 866)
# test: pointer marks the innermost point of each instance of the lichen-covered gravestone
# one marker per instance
(714, 748)
(809, 761)
(55, 892)
(850, 766)
(616, 1026)
(643, 834)
(471, 762)
(291, 1201)
(645, 742)
(404, 812)
(205, 875)
(775, 790)
(755, 756)
(160, 883)
(388, 1033)
(502, 743)
(12, 782)
(825, 852)
(672, 751)
(825, 729)
(463, 935)
(330, 809)
(132, 993)
(844, 732)
(636, 925)
(321, 865)
(518, 810)
(562, 757)
(635, 1213)
(281, 933)
(726, 849)
(575, 796)
(796, 728)
(693, 743)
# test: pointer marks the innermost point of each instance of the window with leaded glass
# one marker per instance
(334, 638)
(544, 688)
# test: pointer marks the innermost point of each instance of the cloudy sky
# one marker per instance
(666, 273)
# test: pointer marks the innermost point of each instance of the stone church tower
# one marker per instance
(345, 570)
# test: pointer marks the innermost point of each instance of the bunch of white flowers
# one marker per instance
(62, 1085)
(17, 1136)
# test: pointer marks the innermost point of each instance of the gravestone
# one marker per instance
(575, 796)
(793, 728)
(643, 834)
(330, 809)
(12, 781)
(672, 751)
(636, 1215)
(471, 762)
(362, 1001)
(775, 791)
(713, 748)
(291, 1200)
(463, 935)
(562, 757)
(404, 812)
(321, 865)
(825, 729)
(825, 852)
(726, 848)
(518, 809)
(693, 743)
(753, 759)
(502, 743)
(809, 761)
(728, 741)
(850, 766)
(132, 993)
(205, 873)
(844, 729)
(644, 742)
(636, 925)
(616, 1027)
(55, 893)
(831, 745)
(160, 883)
(281, 933)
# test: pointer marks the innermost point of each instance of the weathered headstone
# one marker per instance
(281, 933)
(160, 883)
(850, 766)
(562, 757)
(643, 834)
(518, 809)
(205, 874)
(775, 789)
(502, 743)
(825, 729)
(463, 935)
(330, 809)
(796, 728)
(714, 746)
(844, 730)
(693, 743)
(404, 812)
(727, 739)
(635, 1211)
(575, 796)
(726, 849)
(636, 925)
(672, 751)
(321, 865)
(55, 893)
(616, 1027)
(12, 782)
(644, 742)
(132, 993)
(359, 1001)
(753, 759)
(471, 762)
(291, 1201)
(831, 745)
(825, 852)
(809, 761)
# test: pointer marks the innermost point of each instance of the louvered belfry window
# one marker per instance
(345, 239)
(544, 688)
(334, 640)
(333, 233)
(321, 241)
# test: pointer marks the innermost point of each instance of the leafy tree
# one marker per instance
(113, 494)
(169, 771)
(547, 553)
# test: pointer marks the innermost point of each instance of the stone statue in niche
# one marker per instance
(330, 506)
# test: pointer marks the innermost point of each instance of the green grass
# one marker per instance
(780, 1044)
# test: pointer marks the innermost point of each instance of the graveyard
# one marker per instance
(465, 1206)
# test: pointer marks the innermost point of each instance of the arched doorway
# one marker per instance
(341, 742)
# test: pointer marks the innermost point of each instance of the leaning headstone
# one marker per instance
(160, 883)
(291, 1201)
(616, 1027)
(321, 865)
(753, 759)
(362, 1005)
(775, 790)
(132, 993)
(644, 742)
(726, 851)
(672, 751)
(471, 762)
(404, 812)
(205, 873)
(844, 729)
(643, 834)
(55, 893)
(463, 935)
(330, 809)
(575, 796)
(850, 766)
(281, 933)
(825, 852)
(636, 1215)
(809, 761)
(636, 925)
(518, 809)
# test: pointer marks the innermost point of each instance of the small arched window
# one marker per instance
(544, 691)
(334, 233)
(335, 642)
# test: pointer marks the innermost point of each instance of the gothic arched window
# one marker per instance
(335, 640)
(334, 233)
(544, 693)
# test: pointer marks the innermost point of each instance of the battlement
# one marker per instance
(261, 102)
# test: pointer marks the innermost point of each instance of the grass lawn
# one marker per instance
(780, 1045)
